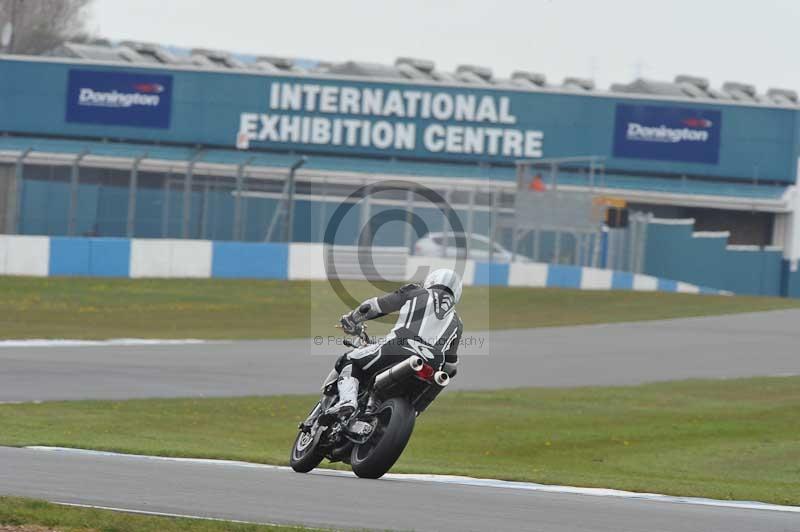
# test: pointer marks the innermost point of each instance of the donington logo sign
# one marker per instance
(667, 133)
(148, 97)
(662, 133)
(119, 98)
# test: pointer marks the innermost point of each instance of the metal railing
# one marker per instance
(86, 195)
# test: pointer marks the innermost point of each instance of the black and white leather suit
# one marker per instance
(427, 326)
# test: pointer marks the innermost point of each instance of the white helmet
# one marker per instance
(445, 277)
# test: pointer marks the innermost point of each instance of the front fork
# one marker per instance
(320, 407)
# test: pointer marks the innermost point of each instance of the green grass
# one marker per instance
(233, 309)
(18, 512)
(728, 439)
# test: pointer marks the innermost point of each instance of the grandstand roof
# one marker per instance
(421, 70)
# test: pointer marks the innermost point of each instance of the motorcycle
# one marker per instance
(375, 435)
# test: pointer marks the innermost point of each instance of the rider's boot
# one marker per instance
(348, 394)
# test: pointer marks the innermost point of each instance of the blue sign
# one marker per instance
(119, 98)
(667, 133)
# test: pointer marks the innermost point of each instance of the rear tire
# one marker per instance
(377, 455)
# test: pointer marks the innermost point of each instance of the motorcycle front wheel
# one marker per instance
(395, 423)
(304, 456)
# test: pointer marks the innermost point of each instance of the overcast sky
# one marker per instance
(610, 40)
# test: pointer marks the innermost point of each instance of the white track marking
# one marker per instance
(83, 343)
(167, 514)
(458, 480)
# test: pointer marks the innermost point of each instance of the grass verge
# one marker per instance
(24, 512)
(728, 439)
(84, 308)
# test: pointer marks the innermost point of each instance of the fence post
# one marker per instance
(290, 198)
(14, 200)
(409, 220)
(495, 205)
(187, 195)
(446, 229)
(364, 229)
(557, 248)
(133, 187)
(645, 220)
(165, 206)
(237, 201)
(73, 193)
(323, 213)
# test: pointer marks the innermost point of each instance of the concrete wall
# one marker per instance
(676, 251)
(140, 258)
(791, 278)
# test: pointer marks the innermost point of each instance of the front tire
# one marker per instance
(304, 456)
(377, 455)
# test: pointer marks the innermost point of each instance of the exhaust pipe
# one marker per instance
(440, 382)
(441, 378)
(397, 373)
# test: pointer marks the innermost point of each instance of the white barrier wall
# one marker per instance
(170, 258)
(307, 261)
(150, 258)
(24, 255)
(596, 279)
(191, 258)
(645, 283)
(687, 288)
(528, 274)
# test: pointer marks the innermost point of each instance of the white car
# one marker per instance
(478, 246)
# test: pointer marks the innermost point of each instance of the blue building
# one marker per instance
(138, 141)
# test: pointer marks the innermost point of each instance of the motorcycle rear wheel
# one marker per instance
(373, 458)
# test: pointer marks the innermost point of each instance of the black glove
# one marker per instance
(349, 325)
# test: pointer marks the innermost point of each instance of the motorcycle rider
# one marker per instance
(427, 326)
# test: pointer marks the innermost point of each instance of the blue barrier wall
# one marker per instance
(622, 280)
(69, 256)
(487, 273)
(250, 260)
(207, 108)
(674, 253)
(563, 276)
(109, 257)
(97, 257)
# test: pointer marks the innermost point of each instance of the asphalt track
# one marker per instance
(731, 346)
(275, 495)
(715, 347)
